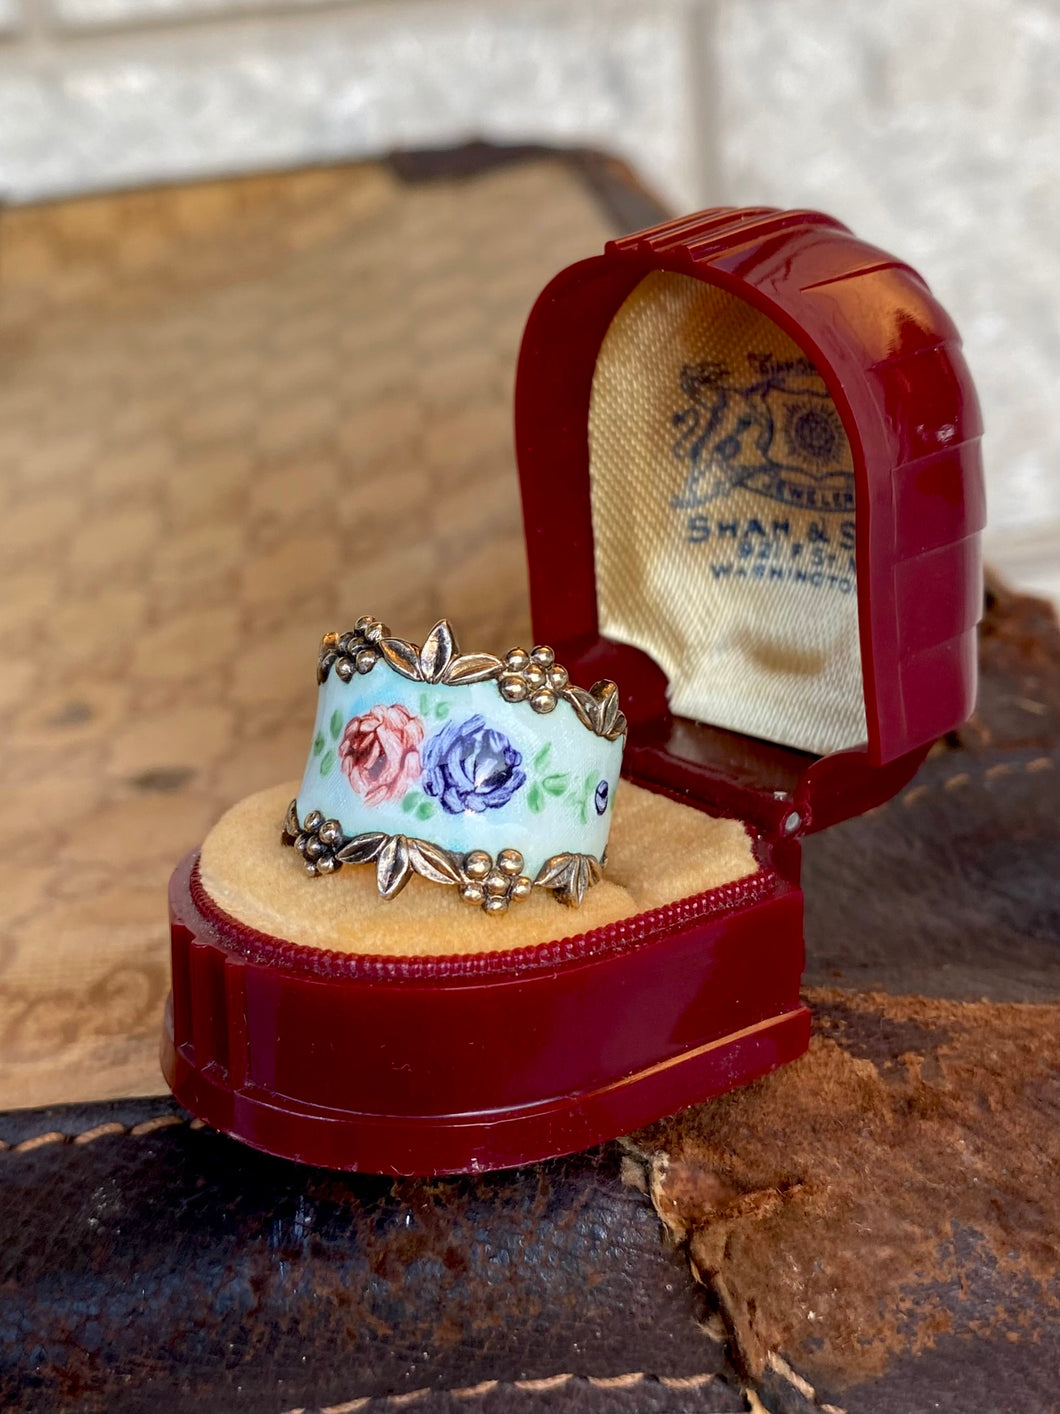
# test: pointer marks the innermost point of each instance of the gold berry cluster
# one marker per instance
(354, 652)
(318, 842)
(533, 676)
(493, 885)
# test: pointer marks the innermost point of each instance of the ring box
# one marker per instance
(748, 447)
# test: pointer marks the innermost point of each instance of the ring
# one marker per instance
(492, 775)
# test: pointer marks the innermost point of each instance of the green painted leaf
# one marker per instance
(425, 705)
(327, 763)
(535, 799)
(556, 785)
(542, 756)
(335, 724)
(585, 795)
(409, 802)
(424, 810)
(318, 743)
(442, 710)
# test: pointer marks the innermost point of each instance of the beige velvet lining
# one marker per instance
(659, 852)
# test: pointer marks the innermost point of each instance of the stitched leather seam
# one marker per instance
(100, 1131)
(542, 1386)
(965, 778)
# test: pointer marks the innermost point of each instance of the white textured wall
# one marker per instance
(931, 126)
(103, 92)
(933, 129)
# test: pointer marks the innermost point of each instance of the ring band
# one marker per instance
(493, 775)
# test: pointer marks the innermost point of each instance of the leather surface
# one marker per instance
(156, 1265)
(953, 888)
(148, 1266)
(897, 1247)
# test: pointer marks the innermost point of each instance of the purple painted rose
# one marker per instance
(469, 766)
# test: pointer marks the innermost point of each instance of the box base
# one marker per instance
(394, 1144)
(429, 1066)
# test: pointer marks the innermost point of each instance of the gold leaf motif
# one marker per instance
(554, 871)
(575, 890)
(403, 657)
(588, 873)
(606, 693)
(290, 824)
(569, 875)
(437, 652)
(598, 710)
(584, 705)
(472, 667)
(434, 863)
(362, 848)
(393, 866)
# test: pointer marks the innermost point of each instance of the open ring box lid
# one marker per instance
(801, 524)
(748, 448)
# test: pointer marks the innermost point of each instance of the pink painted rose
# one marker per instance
(380, 753)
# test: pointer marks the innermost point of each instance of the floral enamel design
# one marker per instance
(433, 761)
(380, 753)
(583, 795)
(471, 766)
(481, 880)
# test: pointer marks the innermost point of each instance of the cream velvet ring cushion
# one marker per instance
(492, 775)
(659, 852)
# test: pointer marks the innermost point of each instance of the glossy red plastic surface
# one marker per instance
(420, 1065)
(891, 359)
(431, 1065)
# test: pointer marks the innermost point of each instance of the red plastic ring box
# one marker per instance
(427, 1065)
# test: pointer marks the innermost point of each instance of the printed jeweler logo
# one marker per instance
(778, 436)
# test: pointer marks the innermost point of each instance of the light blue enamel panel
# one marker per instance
(459, 766)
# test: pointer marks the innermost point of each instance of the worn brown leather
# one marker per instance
(880, 1222)
(953, 889)
(177, 1270)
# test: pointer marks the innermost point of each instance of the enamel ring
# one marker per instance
(493, 775)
